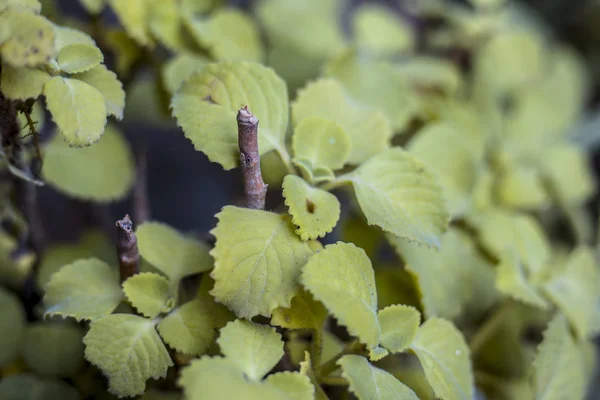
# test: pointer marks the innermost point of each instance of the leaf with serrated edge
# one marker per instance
(22, 83)
(29, 38)
(399, 326)
(293, 384)
(133, 15)
(179, 68)
(258, 258)
(85, 289)
(558, 366)
(77, 58)
(326, 98)
(207, 105)
(305, 313)
(31, 387)
(368, 382)
(397, 193)
(381, 32)
(253, 348)
(128, 350)
(511, 280)
(149, 293)
(575, 290)
(67, 36)
(102, 172)
(314, 211)
(445, 358)
(12, 326)
(351, 300)
(77, 108)
(106, 82)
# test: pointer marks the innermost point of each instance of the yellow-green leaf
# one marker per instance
(368, 382)
(77, 108)
(173, 253)
(149, 293)
(511, 279)
(126, 51)
(106, 82)
(304, 313)
(351, 300)
(133, 15)
(397, 193)
(377, 29)
(102, 172)
(207, 105)
(85, 289)
(326, 98)
(166, 24)
(54, 348)
(445, 358)
(93, 6)
(67, 36)
(26, 39)
(558, 365)
(25, 5)
(179, 68)
(32, 387)
(258, 259)
(253, 348)
(521, 186)
(296, 386)
(76, 58)
(399, 326)
(12, 327)
(22, 83)
(128, 350)
(314, 211)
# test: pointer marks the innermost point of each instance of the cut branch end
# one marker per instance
(255, 189)
(127, 249)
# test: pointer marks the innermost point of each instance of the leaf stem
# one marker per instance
(285, 157)
(316, 348)
(354, 347)
(255, 188)
(127, 249)
(337, 182)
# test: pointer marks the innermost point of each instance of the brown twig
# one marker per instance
(127, 249)
(141, 202)
(255, 188)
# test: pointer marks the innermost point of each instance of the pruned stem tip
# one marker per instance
(127, 249)
(255, 188)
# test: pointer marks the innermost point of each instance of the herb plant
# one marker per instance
(418, 170)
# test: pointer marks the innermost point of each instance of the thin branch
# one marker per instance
(255, 188)
(127, 249)
(141, 201)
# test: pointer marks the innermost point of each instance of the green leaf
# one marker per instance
(521, 186)
(126, 51)
(368, 382)
(448, 155)
(304, 313)
(93, 6)
(12, 327)
(176, 255)
(31, 387)
(351, 300)
(314, 211)
(558, 365)
(253, 348)
(326, 98)
(258, 258)
(106, 82)
(22, 83)
(33, 6)
(397, 193)
(85, 289)
(445, 357)
(378, 30)
(179, 68)
(207, 105)
(103, 172)
(575, 289)
(26, 39)
(229, 34)
(399, 326)
(76, 58)
(294, 385)
(133, 15)
(54, 348)
(511, 279)
(128, 350)
(77, 108)
(67, 36)
(165, 21)
(149, 293)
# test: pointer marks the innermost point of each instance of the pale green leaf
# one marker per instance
(149, 293)
(377, 29)
(25, 5)
(102, 172)
(315, 175)
(166, 24)
(22, 83)
(445, 357)
(304, 313)
(106, 82)
(77, 108)
(258, 260)
(93, 6)
(174, 254)
(133, 15)
(521, 186)
(326, 98)
(26, 39)
(558, 366)
(31, 387)
(85, 289)
(351, 300)
(370, 383)
(399, 326)
(126, 51)
(575, 289)
(179, 68)
(429, 76)
(314, 211)
(295, 386)
(229, 34)
(128, 350)
(54, 348)
(207, 105)
(397, 193)
(511, 279)
(253, 348)
(307, 369)
(67, 36)
(76, 58)
(12, 327)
